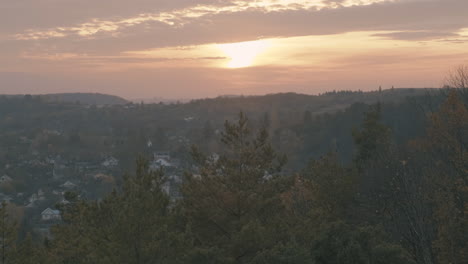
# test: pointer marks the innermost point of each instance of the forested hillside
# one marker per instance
(296, 122)
(81, 98)
(344, 177)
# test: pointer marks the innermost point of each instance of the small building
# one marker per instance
(68, 185)
(214, 157)
(161, 163)
(162, 155)
(64, 201)
(171, 186)
(5, 198)
(51, 215)
(110, 162)
(60, 169)
(5, 179)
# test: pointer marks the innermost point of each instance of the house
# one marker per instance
(214, 157)
(5, 198)
(161, 163)
(110, 162)
(171, 186)
(50, 215)
(60, 169)
(5, 179)
(157, 164)
(32, 200)
(161, 155)
(64, 201)
(83, 166)
(161, 159)
(39, 196)
(52, 132)
(68, 185)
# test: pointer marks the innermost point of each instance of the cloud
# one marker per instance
(406, 19)
(180, 17)
(20, 15)
(417, 35)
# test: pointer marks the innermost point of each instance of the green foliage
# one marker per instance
(447, 143)
(289, 253)
(29, 252)
(332, 186)
(233, 204)
(8, 236)
(393, 204)
(128, 226)
(372, 139)
(340, 243)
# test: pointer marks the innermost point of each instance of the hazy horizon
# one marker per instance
(158, 99)
(196, 49)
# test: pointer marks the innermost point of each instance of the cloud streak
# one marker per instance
(181, 17)
(235, 21)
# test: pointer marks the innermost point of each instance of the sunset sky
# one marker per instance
(200, 48)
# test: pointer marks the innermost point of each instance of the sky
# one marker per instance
(206, 48)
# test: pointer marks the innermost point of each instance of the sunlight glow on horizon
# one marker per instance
(243, 54)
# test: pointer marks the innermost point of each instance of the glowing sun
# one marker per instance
(243, 54)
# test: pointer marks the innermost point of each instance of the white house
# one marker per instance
(5, 179)
(163, 163)
(110, 162)
(49, 214)
(68, 185)
(64, 201)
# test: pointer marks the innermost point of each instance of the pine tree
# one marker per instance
(30, 253)
(447, 143)
(233, 204)
(130, 225)
(372, 139)
(374, 150)
(332, 186)
(8, 236)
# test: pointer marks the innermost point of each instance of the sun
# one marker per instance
(243, 54)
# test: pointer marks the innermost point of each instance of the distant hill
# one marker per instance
(82, 98)
(329, 102)
(85, 98)
(301, 126)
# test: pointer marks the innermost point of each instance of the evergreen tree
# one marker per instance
(29, 252)
(339, 243)
(372, 139)
(325, 199)
(447, 143)
(233, 204)
(130, 225)
(8, 236)
(332, 186)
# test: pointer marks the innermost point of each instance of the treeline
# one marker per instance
(302, 126)
(394, 203)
